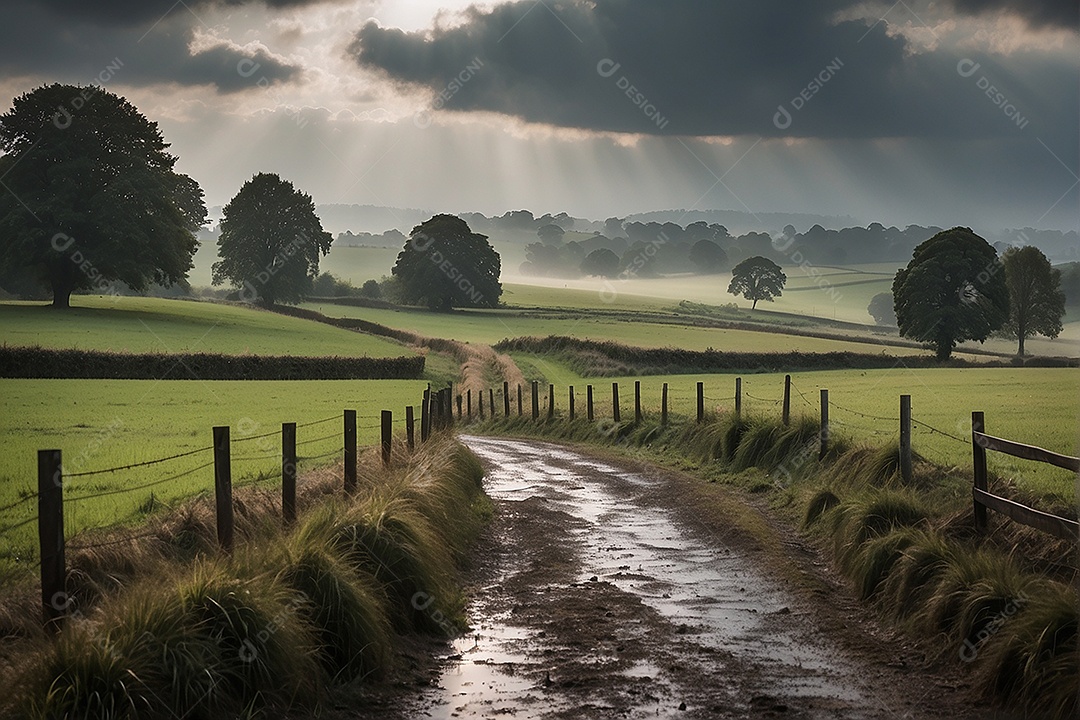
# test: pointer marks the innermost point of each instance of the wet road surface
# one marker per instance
(597, 599)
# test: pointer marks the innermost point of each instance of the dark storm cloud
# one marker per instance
(71, 49)
(770, 68)
(1040, 13)
(136, 12)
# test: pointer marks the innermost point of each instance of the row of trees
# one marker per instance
(93, 197)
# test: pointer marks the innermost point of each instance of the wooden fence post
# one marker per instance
(637, 401)
(663, 405)
(506, 399)
(459, 407)
(905, 438)
(350, 451)
(425, 419)
(615, 414)
(223, 488)
(410, 440)
(571, 402)
(588, 402)
(978, 457)
(786, 417)
(551, 402)
(448, 405)
(468, 403)
(433, 413)
(519, 400)
(480, 403)
(823, 448)
(491, 402)
(54, 599)
(288, 473)
(738, 397)
(701, 402)
(387, 434)
(535, 400)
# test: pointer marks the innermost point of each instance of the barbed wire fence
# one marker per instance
(59, 490)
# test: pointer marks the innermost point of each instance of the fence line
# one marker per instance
(51, 499)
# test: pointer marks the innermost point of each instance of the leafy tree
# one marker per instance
(550, 233)
(602, 262)
(757, 278)
(444, 264)
(1036, 302)
(270, 242)
(952, 290)
(708, 257)
(371, 289)
(91, 196)
(881, 309)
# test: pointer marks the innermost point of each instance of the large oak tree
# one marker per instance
(270, 242)
(952, 290)
(90, 196)
(757, 278)
(444, 265)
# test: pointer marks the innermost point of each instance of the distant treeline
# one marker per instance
(653, 249)
(590, 358)
(37, 362)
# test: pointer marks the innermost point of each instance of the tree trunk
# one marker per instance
(943, 349)
(754, 306)
(1020, 350)
(61, 287)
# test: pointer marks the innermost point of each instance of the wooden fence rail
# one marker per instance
(982, 498)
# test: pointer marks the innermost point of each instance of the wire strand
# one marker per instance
(120, 491)
(138, 464)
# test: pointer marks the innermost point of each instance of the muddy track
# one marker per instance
(602, 591)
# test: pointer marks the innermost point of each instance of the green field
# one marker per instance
(139, 324)
(491, 326)
(109, 423)
(840, 294)
(1038, 406)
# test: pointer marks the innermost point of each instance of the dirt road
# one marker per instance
(602, 592)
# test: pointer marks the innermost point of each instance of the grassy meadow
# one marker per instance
(108, 423)
(143, 324)
(830, 294)
(491, 326)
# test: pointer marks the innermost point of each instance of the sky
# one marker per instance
(943, 112)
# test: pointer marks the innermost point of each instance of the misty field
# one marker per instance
(109, 423)
(491, 326)
(141, 324)
(828, 294)
(1023, 404)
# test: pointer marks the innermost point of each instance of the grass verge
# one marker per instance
(170, 622)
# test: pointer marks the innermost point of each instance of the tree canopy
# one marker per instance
(757, 278)
(1036, 302)
(953, 290)
(270, 242)
(881, 309)
(91, 196)
(708, 257)
(444, 265)
(602, 262)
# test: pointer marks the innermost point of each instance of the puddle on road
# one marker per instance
(713, 594)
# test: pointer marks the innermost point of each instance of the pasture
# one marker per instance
(491, 326)
(109, 423)
(1038, 406)
(144, 324)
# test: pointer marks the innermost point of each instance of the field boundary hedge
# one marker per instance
(592, 358)
(51, 363)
